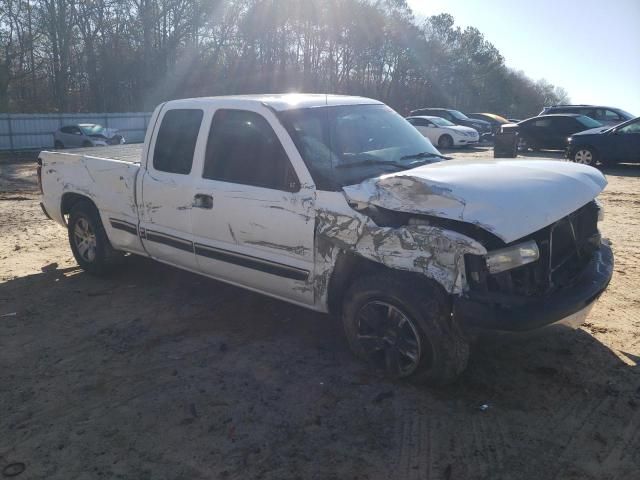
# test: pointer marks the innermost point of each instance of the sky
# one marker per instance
(589, 47)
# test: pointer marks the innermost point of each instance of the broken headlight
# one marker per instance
(512, 257)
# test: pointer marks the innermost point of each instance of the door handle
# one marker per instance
(201, 200)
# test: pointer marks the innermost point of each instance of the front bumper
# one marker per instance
(459, 141)
(522, 314)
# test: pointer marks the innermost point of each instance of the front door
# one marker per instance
(627, 139)
(167, 188)
(254, 221)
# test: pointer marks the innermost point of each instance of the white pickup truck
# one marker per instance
(339, 205)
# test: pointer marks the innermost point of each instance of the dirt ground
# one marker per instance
(154, 373)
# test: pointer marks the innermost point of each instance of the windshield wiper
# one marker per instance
(371, 161)
(425, 155)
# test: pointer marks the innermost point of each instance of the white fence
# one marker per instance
(35, 130)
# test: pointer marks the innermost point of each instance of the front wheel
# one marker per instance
(88, 240)
(585, 156)
(445, 142)
(404, 330)
(58, 145)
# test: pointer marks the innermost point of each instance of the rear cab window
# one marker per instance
(176, 141)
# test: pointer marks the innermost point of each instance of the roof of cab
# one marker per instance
(288, 101)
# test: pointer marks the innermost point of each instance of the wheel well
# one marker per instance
(69, 200)
(349, 267)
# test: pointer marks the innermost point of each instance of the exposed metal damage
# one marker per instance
(433, 251)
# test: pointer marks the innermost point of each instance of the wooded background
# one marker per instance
(130, 55)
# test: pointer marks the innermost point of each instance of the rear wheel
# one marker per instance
(404, 330)
(88, 240)
(445, 141)
(585, 156)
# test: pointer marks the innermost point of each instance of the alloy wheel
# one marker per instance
(389, 338)
(583, 156)
(85, 239)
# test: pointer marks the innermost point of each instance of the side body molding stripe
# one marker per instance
(246, 261)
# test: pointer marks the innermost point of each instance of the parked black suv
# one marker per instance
(552, 131)
(459, 118)
(604, 115)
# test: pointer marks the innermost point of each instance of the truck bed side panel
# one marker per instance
(109, 183)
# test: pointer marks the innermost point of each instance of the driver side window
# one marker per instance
(243, 148)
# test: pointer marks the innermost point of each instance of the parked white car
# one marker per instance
(443, 133)
(86, 135)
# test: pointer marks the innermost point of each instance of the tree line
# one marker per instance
(130, 55)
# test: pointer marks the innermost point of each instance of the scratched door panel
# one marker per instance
(257, 237)
(167, 186)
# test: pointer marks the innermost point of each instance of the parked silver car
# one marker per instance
(86, 135)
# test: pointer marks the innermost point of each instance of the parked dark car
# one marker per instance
(606, 145)
(604, 115)
(496, 121)
(552, 131)
(454, 116)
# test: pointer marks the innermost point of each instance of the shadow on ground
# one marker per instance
(157, 373)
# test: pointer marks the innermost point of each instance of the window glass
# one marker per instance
(611, 115)
(243, 148)
(542, 123)
(419, 122)
(631, 128)
(588, 122)
(176, 141)
(343, 145)
(442, 122)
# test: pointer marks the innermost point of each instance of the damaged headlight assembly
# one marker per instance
(512, 257)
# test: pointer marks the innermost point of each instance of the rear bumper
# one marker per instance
(566, 305)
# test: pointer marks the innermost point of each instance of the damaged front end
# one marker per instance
(472, 238)
(574, 266)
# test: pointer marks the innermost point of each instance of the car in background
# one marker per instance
(604, 115)
(454, 116)
(86, 135)
(552, 131)
(496, 121)
(606, 145)
(443, 133)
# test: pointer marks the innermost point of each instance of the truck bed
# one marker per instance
(131, 153)
(104, 175)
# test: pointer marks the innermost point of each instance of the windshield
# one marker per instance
(459, 115)
(442, 122)
(92, 129)
(588, 122)
(344, 145)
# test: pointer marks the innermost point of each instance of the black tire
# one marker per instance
(58, 145)
(100, 257)
(445, 142)
(87, 143)
(442, 351)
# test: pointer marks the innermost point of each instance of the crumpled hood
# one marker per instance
(509, 198)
